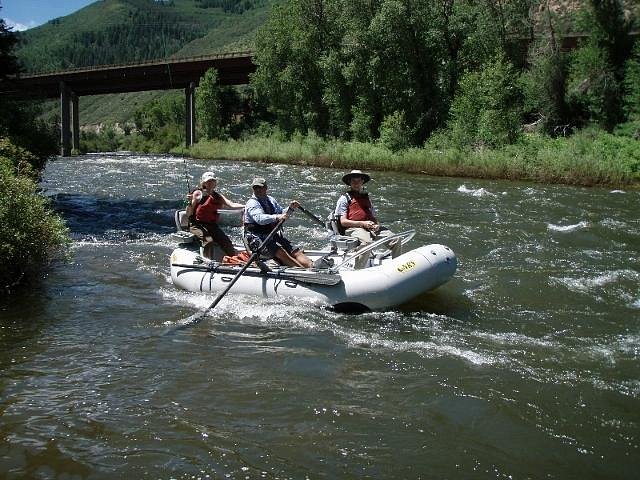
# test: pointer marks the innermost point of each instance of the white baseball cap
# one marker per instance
(206, 176)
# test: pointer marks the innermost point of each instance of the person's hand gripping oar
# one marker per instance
(197, 317)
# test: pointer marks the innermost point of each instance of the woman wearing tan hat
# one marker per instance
(203, 218)
(357, 216)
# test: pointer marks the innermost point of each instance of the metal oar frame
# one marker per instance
(403, 236)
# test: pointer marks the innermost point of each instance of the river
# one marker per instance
(525, 365)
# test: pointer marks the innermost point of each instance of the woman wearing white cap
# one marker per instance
(203, 217)
(357, 216)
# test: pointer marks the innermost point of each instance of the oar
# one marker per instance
(197, 317)
(312, 216)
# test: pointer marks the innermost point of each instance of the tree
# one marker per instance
(8, 61)
(19, 120)
(209, 103)
(488, 107)
(593, 90)
(596, 73)
(290, 48)
(632, 85)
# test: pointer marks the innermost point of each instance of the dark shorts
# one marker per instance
(270, 248)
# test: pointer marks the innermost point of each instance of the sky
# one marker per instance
(23, 14)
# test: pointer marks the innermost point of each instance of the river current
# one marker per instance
(525, 365)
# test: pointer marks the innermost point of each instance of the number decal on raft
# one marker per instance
(406, 266)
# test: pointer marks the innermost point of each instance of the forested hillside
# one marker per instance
(118, 31)
(121, 31)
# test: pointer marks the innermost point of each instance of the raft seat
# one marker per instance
(182, 234)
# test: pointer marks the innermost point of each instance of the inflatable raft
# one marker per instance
(386, 282)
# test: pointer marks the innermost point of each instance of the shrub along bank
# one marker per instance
(590, 157)
(32, 235)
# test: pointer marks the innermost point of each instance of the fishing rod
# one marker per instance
(186, 174)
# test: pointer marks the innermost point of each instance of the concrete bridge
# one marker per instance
(184, 73)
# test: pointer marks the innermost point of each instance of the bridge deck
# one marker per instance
(233, 69)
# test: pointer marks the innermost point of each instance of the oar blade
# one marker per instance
(188, 322)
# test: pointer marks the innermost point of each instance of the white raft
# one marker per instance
(385, 283)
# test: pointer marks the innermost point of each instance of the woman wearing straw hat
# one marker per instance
(357, 216)
(203, 219)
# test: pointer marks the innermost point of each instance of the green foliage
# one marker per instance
(591, 157)
(209, 106)
(21, 159)
(487, 110)
(592, 89)
(631, 98)
(105, 141)
(394, 133)
(341, 67)
(19, 120)
(31, 235)
(118, 31)
(166, 111)
(609, 29)
(597, 68)
(8, 61)
(230, 6)
(544, 86)
(360, 127)
(288, 49)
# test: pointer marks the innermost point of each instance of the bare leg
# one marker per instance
(302, 259)
(286, 259)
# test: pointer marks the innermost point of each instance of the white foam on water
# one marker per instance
(425, 349)
(293, 313)
(567, 228)
(93, 242)
(515, 339)
(587, 284)
(475, 192)
(614, 224)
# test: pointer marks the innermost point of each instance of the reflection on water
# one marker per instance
(525, 365)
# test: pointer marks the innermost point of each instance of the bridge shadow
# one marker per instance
(89, 217)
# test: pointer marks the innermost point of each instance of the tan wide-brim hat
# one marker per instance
(355, 173)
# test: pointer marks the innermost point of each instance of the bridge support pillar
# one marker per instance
(65, 121)
(75, 119)
(190, 114)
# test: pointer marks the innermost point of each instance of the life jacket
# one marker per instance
(359, 206)
(207, 208)
(254, 227)
(239, 259)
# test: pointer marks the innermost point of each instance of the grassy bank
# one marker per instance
(590, 157)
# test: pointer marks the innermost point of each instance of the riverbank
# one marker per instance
(588, 158)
